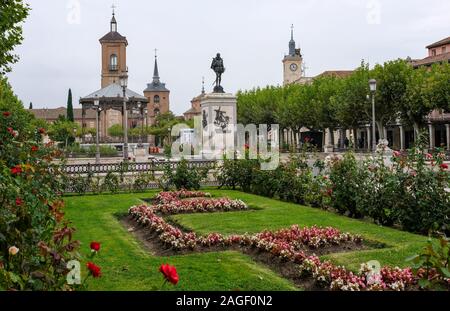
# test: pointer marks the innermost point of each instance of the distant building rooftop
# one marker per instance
(336, 73)
(430, 60)
(439, 43)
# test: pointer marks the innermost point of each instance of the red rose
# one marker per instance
(444, 166)
(34, 148)
(94, 269)
(11, 131)
(16, 170)
(19, 201)
(6, 114)
(41, 130)
(95, 246)
(170, 273)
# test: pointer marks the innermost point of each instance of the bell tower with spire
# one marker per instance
(157, 94)
(114, 54)
(292, 63)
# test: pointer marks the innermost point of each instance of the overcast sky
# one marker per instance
(61, 48)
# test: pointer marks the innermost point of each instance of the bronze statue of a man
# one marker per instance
(219, 69)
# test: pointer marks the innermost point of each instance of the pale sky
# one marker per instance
(61, 48)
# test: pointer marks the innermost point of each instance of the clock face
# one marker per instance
(294, 67)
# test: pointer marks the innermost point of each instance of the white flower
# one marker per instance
(13, 250)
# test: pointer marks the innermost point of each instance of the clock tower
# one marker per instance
(292, 63)
(114, 55)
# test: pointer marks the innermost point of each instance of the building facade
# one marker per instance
(155, 98)
(195, 109)
(292, 63)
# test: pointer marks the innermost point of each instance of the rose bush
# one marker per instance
(31, 216)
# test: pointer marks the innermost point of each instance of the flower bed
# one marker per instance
(170, 196)
(200, 206)
(294, 245)
(199, 202)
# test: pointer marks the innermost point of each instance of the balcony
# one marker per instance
(113, 67)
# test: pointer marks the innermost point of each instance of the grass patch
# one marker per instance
(126, 265)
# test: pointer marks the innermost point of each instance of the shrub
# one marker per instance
(165, 182)
(35, 242)
(347, 179)
(432, 264)
(142, 181)
(265, 183)
(111, 182)
(379, 191)
(319, 192)
(188, 178)
(237, 173)
(227, 174)
(423, 203)
(96, 185)
(79, 184)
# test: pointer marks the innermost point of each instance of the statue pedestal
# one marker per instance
(140, 154)
(219, 117)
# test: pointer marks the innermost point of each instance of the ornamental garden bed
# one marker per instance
(292, 252)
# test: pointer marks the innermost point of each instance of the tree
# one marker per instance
(438, 90)
(64, 131)
(12, 14)
(326, 90)
(31, 106)
(115, 130)
(163, 123)
(392, 82)
(413, 106)
(70, 116)
(9, 102)
(352, 102)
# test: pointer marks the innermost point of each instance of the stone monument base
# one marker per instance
(219, 116)
(140, 154)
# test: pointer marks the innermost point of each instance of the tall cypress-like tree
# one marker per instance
(70, 107)
(31, 106)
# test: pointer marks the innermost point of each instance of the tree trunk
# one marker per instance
(416, 131)
(380, 129)
(331, 139)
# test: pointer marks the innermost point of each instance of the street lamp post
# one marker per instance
(97, 126)
(141, 117)
(124, 84)
(169, 138)
(373, 89)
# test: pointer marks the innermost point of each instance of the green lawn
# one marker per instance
(126, 265)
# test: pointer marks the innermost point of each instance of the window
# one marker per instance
(113, 63)
(156, 111)
(433, 52)
(444, 49)
(156, 99)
